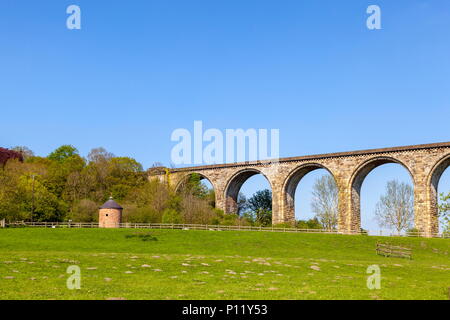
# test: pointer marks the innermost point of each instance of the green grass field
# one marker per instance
(127, 263)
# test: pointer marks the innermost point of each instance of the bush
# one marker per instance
(309, 224)
(220, 218)
(171, 216)
(412, 232)
(144, 214)
(84, 211)
(230, 220)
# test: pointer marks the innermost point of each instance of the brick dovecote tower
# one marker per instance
(110, 214)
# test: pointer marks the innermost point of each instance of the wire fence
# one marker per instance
(211, 228)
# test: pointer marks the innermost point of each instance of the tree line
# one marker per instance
(66, 186)
(394, 209)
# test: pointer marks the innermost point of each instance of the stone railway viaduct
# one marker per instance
(425, 163)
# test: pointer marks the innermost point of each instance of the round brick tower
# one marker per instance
(110, 214)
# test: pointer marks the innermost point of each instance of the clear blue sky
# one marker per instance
(137, 70)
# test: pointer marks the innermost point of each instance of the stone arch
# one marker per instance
(432, 186)
(235, 183)
(290, 186)
(359, 175)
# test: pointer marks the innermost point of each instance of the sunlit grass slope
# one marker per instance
(178, 264)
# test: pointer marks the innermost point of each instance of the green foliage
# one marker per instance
(42, 204)
(444, 212)
(260, 201)
(217, 219)
(63, 153)
(258, 209)
(171, 216)
(65, 186)
(284, 225)
(25, 195)
(141, 214)
(229, 220)
(313, 223)
(124, 174)
(412, 232)
(84, 210)
(11, 198)
(193, 186)
(248, 216)
(263, 217)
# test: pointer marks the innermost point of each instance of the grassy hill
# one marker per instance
(177, 264)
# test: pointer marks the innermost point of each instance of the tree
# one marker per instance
(242, 204)
(194, 186)
(38, 200)
(99, 154)
(98, 169)
(325, 201)
(263, 217)
(260, 200)
(171, 216)
(444, 211)
(124, 174)
(11, 198)
(64, 186)
(84, 210)
(260, 205)
(24, 193)
(309, 224)
(24, 151)
(395, 209)
(6, 155)
(62, 153)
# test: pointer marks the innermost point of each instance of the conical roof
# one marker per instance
(111, 204)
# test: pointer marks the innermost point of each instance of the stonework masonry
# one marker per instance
(425, 164)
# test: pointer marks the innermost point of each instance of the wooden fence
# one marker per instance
(167, 226)
(393, 251)
(198, 227)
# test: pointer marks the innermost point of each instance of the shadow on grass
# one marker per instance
(144, 236)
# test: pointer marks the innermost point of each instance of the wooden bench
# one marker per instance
(387, 250)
